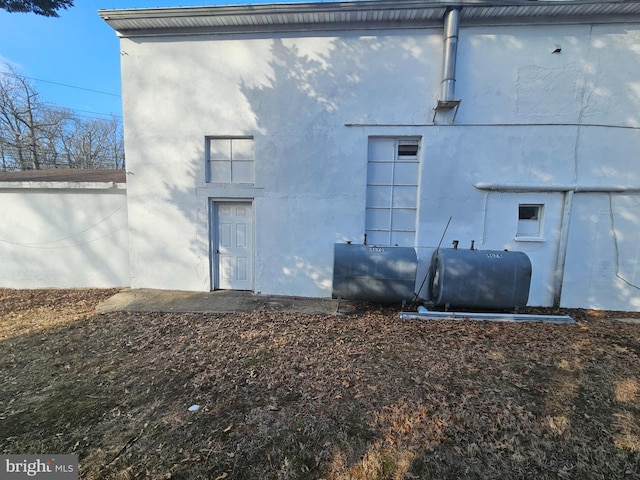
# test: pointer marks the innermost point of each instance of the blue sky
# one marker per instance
(77, 49)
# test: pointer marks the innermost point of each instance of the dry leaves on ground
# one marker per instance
(283, 395)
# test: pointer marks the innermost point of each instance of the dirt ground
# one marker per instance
(291, 396)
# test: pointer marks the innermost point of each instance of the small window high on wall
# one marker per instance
(230, 160)
(392, 191)
(529, 220)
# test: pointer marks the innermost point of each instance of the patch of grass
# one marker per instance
(257, 357)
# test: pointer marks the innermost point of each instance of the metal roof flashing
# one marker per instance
(62, 186)
(89, 179)
(358, 15)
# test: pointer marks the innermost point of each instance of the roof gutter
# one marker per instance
(360, 15)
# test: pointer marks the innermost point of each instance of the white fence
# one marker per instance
(64, 234)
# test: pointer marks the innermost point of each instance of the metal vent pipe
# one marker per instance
(450, 52)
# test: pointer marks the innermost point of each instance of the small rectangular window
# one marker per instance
(529, 212)
(409, 149)
(529, 220)
(230, 160)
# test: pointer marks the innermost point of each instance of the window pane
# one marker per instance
(377, 238)
(220, 171)
(378, 196)
(242, 172)
(378, 219)
(380, 174)
(529, 212)
(409, 149)
(528, 228)
(403, 239)
(405, 197)
(242, 149)
(403, 219)
(406, 174)
(382, 149)
(219, 149)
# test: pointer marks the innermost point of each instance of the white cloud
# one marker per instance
(5, 63)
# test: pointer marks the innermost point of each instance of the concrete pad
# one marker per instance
(632, 320)
(221, 301)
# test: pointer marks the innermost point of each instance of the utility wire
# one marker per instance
(62, 84)
(85, 111)
(75, 234)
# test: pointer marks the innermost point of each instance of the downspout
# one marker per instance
(447, 102)
(449, 55)
(562, 247)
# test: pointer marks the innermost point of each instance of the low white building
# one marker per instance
(259, 136)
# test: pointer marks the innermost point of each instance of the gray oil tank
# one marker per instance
(373, 273)
(487, 279)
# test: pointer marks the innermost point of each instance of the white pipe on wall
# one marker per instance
(521, 187)
(562, 247)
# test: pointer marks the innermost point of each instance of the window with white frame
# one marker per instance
(230, 159)
(530, 220)
(392, 191)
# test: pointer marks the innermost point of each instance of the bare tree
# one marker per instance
(14, 120)
(116, 143)
(53, 128)
(34, 135)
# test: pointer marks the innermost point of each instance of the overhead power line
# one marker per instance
(85, 111)
(63, 84)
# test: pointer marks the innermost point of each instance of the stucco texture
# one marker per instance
(312, 101)
(64, 237)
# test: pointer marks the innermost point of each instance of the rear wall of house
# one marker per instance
(312, 103)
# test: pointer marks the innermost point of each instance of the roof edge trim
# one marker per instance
(353, 15)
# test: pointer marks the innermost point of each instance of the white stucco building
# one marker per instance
(258, 136)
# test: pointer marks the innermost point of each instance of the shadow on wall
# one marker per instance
(311, 174)
(295, 94)
(317, 85)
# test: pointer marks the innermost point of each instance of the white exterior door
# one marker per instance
(233, 245)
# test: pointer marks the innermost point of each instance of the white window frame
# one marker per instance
(396, 214)
(530, 229)
(228, 160)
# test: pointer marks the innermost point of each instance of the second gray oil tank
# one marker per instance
(374, 273)
(487, 279)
